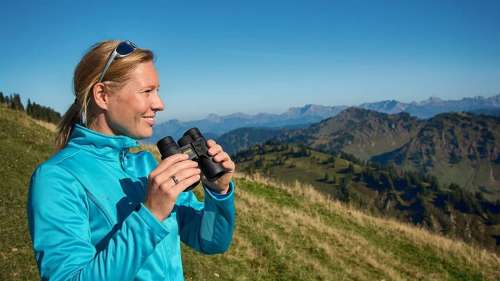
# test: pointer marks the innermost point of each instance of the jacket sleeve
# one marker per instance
(59, 227)
(207, 227)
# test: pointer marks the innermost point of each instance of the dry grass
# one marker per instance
(49, 126)
(341, 244)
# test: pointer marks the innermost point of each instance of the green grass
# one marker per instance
(310, 240)
(23, 144)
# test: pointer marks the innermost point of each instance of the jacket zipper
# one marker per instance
(122, 158)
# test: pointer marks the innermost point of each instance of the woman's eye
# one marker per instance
(149, 91)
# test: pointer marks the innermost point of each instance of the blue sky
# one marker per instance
(261, 56)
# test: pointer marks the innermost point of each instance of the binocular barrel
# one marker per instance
(167, 146)
(193, 144)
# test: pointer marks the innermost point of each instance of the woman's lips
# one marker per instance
(149, 120)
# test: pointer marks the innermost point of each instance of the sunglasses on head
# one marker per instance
(123, 49)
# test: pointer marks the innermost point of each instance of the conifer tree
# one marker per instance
(16, 103)
(28, 107)
(325, 177)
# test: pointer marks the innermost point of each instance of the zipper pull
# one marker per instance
(123, 158)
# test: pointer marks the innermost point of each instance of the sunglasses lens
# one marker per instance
(125, 48)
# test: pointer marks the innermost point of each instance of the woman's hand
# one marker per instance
(171, 177)
(221, 185)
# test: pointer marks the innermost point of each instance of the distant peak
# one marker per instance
(238, 115)
(356, 110)
(213, 115)
(431, 100)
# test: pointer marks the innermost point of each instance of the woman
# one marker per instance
(97, 211)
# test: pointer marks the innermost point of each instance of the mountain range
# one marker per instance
(460, 148)
(214, 125)
(433, 106)
(358, 131)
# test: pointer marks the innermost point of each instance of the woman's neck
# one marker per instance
(99, 124)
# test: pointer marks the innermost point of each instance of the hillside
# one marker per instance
(23, 144)
(382, 191)
(456, 147)
(292, 232)
(282, 233)
(242, 138)
(363, 133)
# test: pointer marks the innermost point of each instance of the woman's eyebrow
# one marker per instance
(150, 86)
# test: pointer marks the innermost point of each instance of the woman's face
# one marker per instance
(132, 108)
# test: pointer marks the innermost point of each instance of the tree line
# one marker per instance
(33, 109)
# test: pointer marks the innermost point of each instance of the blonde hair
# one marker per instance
(87, 74)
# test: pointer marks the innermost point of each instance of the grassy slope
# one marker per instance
(307, 170)
(470, 227)
(295, 233)
(23, 144)
(282, 233)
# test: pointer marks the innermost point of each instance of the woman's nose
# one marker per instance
(157, 103)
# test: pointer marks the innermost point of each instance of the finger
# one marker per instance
(211, 142)
(178, 167)
(169, 161)
(169, 182)
(221, 156)
(187, 173)
(182, 185)
(165, 181)
(214, 150)
(173, 170)
(229, 166)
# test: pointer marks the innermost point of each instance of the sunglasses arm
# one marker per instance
(110, 60)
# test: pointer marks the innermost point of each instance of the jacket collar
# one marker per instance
(104, 146)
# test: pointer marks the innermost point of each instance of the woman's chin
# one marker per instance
(144, 133)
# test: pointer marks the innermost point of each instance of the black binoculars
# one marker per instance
(195, 146)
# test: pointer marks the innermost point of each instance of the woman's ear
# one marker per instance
(100, 96)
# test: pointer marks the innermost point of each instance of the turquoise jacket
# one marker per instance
(87, 219)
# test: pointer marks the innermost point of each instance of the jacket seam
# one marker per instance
(91, 197)
(98, 156)
(66, 157)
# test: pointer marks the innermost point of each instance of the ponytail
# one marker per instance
(64, 127)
